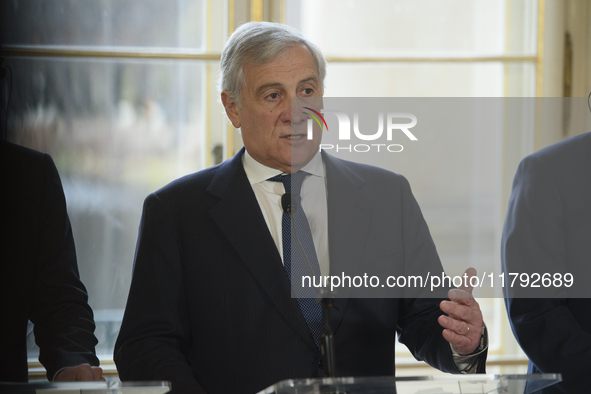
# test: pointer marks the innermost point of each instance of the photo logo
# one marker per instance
(344, 134)
(315, 117)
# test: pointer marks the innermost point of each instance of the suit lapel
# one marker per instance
(349, 217)
(239, 217)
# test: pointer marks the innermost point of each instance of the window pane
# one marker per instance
(117, 131)
(461, 181)
(146, 23)
(450, 79)
(418, 27)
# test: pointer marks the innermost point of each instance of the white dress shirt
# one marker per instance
(268, 194)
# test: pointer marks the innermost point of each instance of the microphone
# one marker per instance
(290, 206)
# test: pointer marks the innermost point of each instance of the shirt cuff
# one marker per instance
(61, 369)
(468, 364)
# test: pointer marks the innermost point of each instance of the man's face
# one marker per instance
(265, 117)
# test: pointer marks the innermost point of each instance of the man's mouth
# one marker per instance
(295, 136)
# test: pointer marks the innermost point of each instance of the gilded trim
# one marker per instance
(256, 10)
(432, 59)
(229, 133)
(230, 17)
(208, 100)
(507, 46)
(63, 52)
(540, 48)
(230, 148)
(209, 25)
(540, 73)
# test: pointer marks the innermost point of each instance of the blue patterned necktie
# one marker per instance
(293, 261)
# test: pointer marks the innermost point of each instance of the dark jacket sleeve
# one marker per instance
(535, 239)
(64, 324)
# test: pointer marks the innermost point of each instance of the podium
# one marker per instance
(112, 387)
(444, 384)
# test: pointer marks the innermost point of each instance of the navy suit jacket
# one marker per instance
(548, 229)
(210, 308)
(39, 280)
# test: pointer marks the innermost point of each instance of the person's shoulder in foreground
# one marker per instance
(547, 231)
(561, 153)
(40, 280)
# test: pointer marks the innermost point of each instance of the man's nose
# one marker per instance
(295, 111)
(286, 110)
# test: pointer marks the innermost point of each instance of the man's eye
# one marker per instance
(273, 96)
(308, 91)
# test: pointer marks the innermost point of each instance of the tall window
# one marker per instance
(123, 95)
(459, 48)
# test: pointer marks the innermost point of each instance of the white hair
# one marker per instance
(259, 43)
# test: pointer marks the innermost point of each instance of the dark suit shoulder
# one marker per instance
(197, 181)
(564, 164)
(201, 190)
(26, 176)
(373, 181)
(360, 169)
(23, 167)
(184, 196)
(215, 180)
(566, 153)
(10, 151)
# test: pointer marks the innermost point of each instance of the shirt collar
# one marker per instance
(257, 172)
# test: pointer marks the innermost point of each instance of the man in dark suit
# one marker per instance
(40, 280)
(210, 305)
(548, 230)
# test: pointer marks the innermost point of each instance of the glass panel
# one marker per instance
(416, 28)
(148, 23)
(109, 387)
(451, 384)
(450, 79)
(117, 130)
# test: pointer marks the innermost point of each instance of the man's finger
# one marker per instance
(457, 311)
(457, 326)
(469, 273)
(97, 373)
(83, 372)
(460, 297)
(461, 343)
(462, 335)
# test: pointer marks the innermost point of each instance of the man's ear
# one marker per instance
(231, 108)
